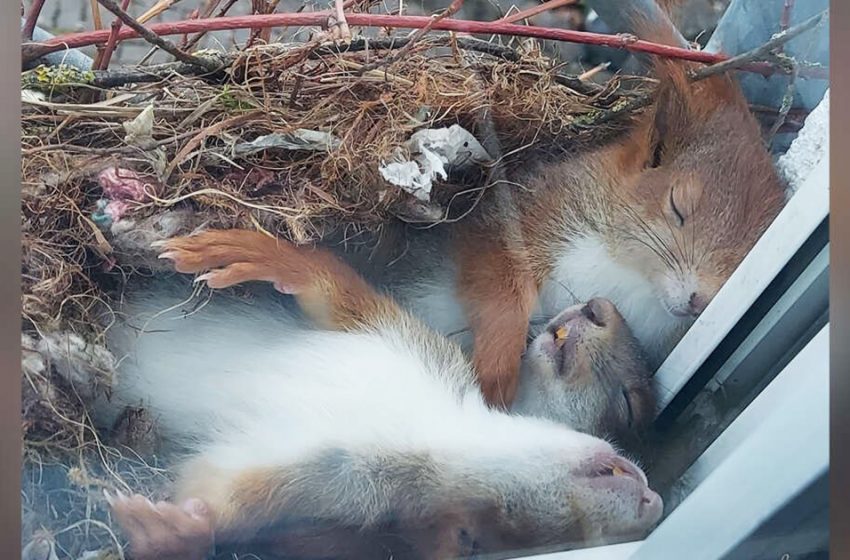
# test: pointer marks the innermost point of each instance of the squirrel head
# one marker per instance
(697, 189)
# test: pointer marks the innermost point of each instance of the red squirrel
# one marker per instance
(366, 434)
(655, 220)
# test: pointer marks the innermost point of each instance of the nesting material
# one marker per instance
(299, 140)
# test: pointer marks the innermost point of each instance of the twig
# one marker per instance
(95, 14)
(32, 19)
(156, 9)
(450, 11)
(533, 11)
(762, 52)
(594, 71)
(153, 38)
(266, 34)
(629, 106)
(31, 51)
(785, 19)
(185, 44)
(101, 62)
(785, 107)
(223, 12)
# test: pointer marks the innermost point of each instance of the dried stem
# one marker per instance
(101, 62)
(785, 20)
(785, 108)
(153, 38)
(533, 11)
(98, 24)
(451, 10)
(95, 14)
(223, 12)
(594, 71)
(762, 52)
(266, 34)
(156, 9)
(32, 18)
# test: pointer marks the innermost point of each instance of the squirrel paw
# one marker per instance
(164, 531)
(228, 257)
(499, 390)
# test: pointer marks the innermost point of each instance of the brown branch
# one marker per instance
(95, 14)
(30, 51)
(32, 18)
(98, 24)
(762, 52)
(101, 62)
(153, 38)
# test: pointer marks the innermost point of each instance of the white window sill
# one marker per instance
(801, 215)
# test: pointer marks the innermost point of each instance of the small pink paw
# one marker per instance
(164, 531)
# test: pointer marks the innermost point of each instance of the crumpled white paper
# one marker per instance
(432, 150)
(140, 129)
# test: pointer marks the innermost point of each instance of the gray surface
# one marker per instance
(750, 23)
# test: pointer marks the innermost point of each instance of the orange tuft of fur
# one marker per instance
(498, 291)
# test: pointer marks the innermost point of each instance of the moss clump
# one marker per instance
(52, 78)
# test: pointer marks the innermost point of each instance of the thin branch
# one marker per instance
(101, 62)
(594, 71)
(32, 18)
(152, 37)
(762, 52)
(785, 19)
(787, 102)
(450, 11)
(223, 12)
(534, 10)
(155, 10)
(98, 24)
(95, 14)
(30, 51)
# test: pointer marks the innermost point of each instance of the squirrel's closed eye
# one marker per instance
(628, 408)
(680, 218)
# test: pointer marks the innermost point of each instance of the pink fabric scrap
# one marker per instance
(124, 184)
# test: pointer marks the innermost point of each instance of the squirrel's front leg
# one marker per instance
(332, 293)
(498, 291)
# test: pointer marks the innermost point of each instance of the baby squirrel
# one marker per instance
(366, 434)
(655, 220)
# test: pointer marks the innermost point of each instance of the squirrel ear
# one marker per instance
(673, 111)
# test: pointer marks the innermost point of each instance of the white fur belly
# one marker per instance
(586, 270)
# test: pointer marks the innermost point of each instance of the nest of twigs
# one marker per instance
(192, 140)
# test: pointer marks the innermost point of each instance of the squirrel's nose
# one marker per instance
(697, 304)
